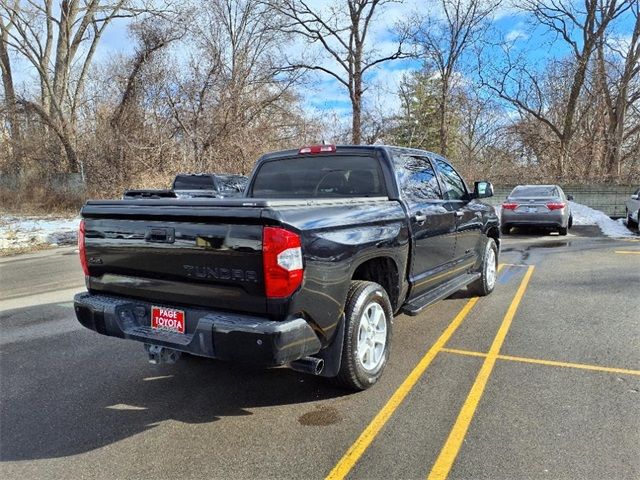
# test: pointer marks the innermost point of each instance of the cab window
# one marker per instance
(416, 177)
(453, 185)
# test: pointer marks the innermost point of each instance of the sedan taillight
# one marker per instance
(556, 205)
(509, 205)
(282, 261)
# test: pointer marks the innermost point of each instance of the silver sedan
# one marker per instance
(543, 206)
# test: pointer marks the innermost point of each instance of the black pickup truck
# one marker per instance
(307, 269)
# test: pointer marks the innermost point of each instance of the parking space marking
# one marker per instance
(353, 454)
(467, 353)
(550, 363)
(346, 463)
(449, 452)
(628, 252)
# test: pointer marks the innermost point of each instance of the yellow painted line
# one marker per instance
(580, 366)
(353, 454)
(550, 363)
(450, 450)
(627, 252)
(467, 353)
(346, 463)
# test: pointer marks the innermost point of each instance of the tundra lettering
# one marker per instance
(220, 273)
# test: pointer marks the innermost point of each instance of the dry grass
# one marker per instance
(31, 248)
(36, 200)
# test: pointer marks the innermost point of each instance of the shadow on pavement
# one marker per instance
(78, 391)
(534, 233)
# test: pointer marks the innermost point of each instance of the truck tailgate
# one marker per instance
(210, 258)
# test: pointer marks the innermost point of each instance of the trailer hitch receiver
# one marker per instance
(159, 355)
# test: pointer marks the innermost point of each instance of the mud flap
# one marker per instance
(332, 355)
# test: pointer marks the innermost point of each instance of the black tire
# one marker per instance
(352, 374)
(570, 224)
(630, 222)
(563, 231)
(485, 285)
(505, 229)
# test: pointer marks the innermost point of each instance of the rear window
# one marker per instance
(535, 191)
(324, 176)
(193, 182)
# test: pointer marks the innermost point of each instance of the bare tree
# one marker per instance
(8, 83)
(443, 39)
(581, 28)
(617, 79)
(60, 44)
(342, 32)
(232, 79)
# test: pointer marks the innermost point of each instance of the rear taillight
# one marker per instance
(556, 205)
(509, 205)
(81, 249)
(282, 260)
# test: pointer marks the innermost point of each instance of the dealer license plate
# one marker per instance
(167, 319)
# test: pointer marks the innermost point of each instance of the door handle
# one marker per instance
(420, 218)
(459, 213)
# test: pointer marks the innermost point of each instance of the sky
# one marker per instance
(325, 94)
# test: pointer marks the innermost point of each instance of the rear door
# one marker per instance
(432, 224)
(468, 220)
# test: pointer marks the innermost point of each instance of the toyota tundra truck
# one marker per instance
(306, 270)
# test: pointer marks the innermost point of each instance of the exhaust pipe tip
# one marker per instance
(310, 365)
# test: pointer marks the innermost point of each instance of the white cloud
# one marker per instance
(516, 34)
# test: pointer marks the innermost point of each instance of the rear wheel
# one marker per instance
(367, 338)
(505, 229)
(488, 270)
(562, 231)
(570, 224)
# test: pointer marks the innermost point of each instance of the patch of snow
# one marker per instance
(583, 215)
(17, 232)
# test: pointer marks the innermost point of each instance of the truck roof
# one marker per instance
(349, 149)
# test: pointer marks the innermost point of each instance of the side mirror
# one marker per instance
(482, 189)
(570, 198)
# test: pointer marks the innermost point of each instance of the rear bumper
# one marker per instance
(213, 334)
(546, 219)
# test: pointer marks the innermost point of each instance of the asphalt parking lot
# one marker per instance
(541, 379)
